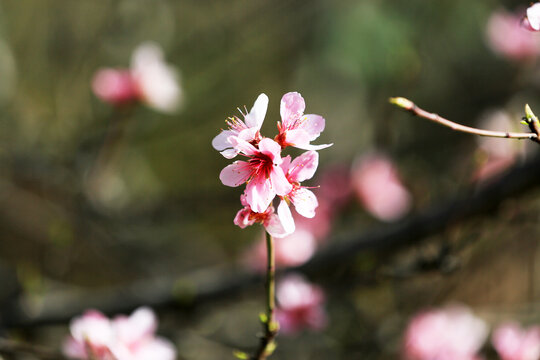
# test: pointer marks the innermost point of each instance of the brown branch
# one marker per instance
(209, 285)
(417, 111)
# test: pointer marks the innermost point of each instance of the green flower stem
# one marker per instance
(271, 327)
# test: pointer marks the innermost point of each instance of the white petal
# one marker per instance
(255, 118)
(274, 227)
(220, 142)
(305, 202)
(285, 217)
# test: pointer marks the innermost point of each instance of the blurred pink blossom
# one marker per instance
(320, 225)
(114, 86)
(514, 343)
(92, 332)
(248, 130)
(93, 336)
(149, 80)
(377, 185)
(444, 334)
(335, 186)
(300, 305)
(506, 36)
(295, 128)
(291, 250)
(497, 154)
(157, 81)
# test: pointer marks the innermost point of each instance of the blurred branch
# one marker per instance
(10, 347)
(209, 285)
(413, 108)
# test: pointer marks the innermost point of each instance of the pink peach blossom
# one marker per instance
(300, 169)
(377, 185)
(508, 38)
(264, 177)
(295, 128)
(444, 334)
(247, 130)
(300, 305)
(271, 221)
(94, 336)
(514, 343)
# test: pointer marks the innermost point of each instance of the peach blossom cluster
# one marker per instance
(94, 336)
(266, 173)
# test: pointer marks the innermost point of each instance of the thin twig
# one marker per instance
(413, 108)
(267, 344)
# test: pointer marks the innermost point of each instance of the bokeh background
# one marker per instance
(162, 211)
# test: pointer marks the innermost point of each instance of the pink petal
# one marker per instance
(272, 149)
(285, 217)
(297, 137)
(259, 194)
(304, 166)
(242, 218)
(279, 181)
(305, 202)
(256, 116)
(248, 134)
(221, 142)
(235, 174)
(286, 163)
(313, 125)
(291, 108)
(141, 324)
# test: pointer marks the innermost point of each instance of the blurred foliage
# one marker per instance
(165, 211)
